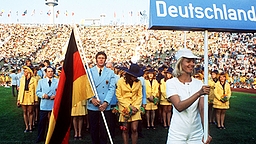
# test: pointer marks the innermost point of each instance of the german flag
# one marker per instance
(74, 86)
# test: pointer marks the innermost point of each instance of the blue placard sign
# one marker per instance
(212, 15)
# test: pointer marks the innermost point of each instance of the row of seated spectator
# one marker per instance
(233, 53)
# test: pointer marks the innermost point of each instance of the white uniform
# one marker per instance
(186, 126)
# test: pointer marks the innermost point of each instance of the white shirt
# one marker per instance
(185, 125)
(100, 69)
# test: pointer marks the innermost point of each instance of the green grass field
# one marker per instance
(240, 124)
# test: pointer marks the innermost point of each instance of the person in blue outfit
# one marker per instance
(104, 80)
(144, 101)
(14, 81)
(46, 90)
(113, 103)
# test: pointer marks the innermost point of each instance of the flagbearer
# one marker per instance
(104, 81)
(46, 90)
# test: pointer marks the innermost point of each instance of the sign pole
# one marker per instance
(185, 39)
(206, 83)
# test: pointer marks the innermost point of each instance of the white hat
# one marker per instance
(185, 53)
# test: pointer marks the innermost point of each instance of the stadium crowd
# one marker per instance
(233, 53)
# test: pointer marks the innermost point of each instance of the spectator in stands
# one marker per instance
(254, 82)
(226, 51)
(236, 81)
(242, 81)
(28, 63)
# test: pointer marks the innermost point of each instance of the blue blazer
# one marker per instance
(105, 86)
(114, 99)
(43, 88)
(144, 96)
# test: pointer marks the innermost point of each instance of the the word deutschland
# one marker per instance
(214, 12)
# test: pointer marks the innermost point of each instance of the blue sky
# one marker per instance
(82, 9)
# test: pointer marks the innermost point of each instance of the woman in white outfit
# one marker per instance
(186, 95)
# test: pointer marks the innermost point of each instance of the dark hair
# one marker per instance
(223, 74)
(28, 60)
(128, 79)
(165, 77)
(36, 68)
(215, 71)
(41, 65)
(51, 68)
(47, 61)
(150, 71)
(101, 53)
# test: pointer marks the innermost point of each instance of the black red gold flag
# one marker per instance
(74, 86)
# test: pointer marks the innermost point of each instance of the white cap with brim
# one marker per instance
(186, 53)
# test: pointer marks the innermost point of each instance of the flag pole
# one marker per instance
(80, 47)
(206, 83)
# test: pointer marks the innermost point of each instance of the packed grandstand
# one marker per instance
(233, 53)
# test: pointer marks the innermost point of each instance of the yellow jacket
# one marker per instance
(211, 95)
(163, 99)
(254, 81)
(127, 96)
(7, 78)
(219, 92)
(37, 78)
(242, 79)
(2, 78)
(151, 91)
(32, 90)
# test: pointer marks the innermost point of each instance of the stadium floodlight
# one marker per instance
(51, 4)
